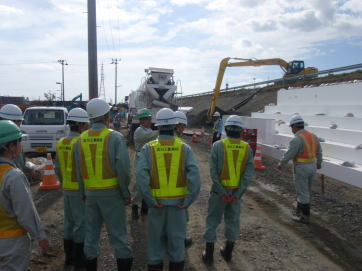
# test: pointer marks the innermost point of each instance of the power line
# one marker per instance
(29, 63)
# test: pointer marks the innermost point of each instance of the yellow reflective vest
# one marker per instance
(235, 156)
(96, 168)
(168, 179)
(65, 154)
(310, 145)
(9, 226)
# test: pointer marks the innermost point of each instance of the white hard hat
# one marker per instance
(165, 117)
(97, 108)
(78, 115)
(11, 112)
(181, 117)
(296, 119)
(216, 114)
(234, 120)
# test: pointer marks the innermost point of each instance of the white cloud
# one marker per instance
(4, 10)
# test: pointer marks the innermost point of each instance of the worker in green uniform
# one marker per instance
(73, 204)
(231, 170)
(18, 215)
(306, 153)
(179, 131)
(142, 135)
(102, 157)
(13, 112)
(168, 178)
(217, 128)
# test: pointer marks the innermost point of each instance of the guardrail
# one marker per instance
(298, 77)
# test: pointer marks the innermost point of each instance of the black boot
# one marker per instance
(208, 253)
(135, 215)
(226, 251)
(176, 266)
(155, 267)
(188, 241)
(91, 265)
(305, 213)
(124, 264)
(68, 251)
(144, 208)
(79, 258)
(298, 211)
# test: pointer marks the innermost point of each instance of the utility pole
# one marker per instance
(102, 90)
(62, 62)
(115, 62)
(92, 50)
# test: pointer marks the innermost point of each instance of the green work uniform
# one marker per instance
(16, 200)
(107, 205)
(167, 225)
(142, 135)
(304, 173)
(217, 207)
(74, 207)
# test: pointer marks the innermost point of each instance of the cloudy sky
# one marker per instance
(189, 36)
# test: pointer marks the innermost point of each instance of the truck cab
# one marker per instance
(44, 126)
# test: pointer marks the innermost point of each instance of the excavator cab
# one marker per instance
(295, 67)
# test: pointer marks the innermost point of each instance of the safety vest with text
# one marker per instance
(9, 226)
(310, 145)
(96, 168)
(168, 179)
(235, 156)
(65, 154)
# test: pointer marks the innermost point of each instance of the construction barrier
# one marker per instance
(50, 180)
(258, 163)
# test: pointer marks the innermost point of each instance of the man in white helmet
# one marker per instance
(169, 179)
(230, 179)
(142, 135)
(74, 207)
(102, 157)
(217, 129)
(13, 112)
(306, 153)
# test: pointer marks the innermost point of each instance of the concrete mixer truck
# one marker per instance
(157, 90)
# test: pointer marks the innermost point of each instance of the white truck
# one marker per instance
(44, 126)
(157, 90)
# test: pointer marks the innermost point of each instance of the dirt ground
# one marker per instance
(269, 239)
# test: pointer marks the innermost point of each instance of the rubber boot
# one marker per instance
(305, 214)
(188, 241)
(226, 251)
(155, 267)
(124, 264)
(176, 266)
(135, 215)
(208, 254)
(68, 251)
(79, 258)
(144, 208)
(91, 265)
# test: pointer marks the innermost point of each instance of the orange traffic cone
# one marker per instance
(194, 138)
(50, 180)
(258, 163)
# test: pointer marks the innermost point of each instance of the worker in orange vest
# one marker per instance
(169, 180)
(18, 215)
(306, 153)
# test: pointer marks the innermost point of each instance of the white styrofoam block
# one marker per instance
(338, 94)
(351, 137)
(323, 121)
(330, 167)
(265, 127)
(328, 110)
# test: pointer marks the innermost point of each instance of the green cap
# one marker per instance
(144, 113)
(9, 131)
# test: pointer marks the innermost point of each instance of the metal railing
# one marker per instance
(298, 77)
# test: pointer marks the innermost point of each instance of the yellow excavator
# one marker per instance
(292, 68)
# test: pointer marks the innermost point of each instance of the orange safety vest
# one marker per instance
(310, 145)
(9, 226)
(235, 156)
(168, 179)
(96, 169)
